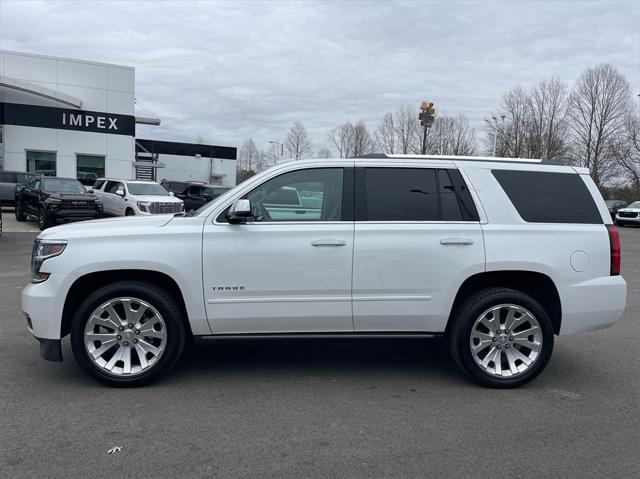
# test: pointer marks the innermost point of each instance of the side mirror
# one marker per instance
(171, 193)
(207, 197)
(239, 212)
(120, 193)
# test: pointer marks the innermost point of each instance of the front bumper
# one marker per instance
(43, 304)
(630, 221)
(66, 216)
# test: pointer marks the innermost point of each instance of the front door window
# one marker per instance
(303, 195)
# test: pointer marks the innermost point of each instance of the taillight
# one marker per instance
(614, 245)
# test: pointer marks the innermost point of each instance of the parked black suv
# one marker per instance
(193, 194)
(53, 199)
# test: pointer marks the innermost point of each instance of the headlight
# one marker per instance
(144, 206)
(43, 250)
(53, 203)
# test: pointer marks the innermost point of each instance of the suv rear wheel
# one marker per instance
(128, 333)
(502, 338)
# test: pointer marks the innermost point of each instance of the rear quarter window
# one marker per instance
(548, 197)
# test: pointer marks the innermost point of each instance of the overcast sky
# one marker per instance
(228, 71)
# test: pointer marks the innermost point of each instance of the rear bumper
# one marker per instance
(594, 304)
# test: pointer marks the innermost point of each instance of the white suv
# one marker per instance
(135, 197)
(496, 256)
(629, 215)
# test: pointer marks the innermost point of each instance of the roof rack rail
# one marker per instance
(460, 158)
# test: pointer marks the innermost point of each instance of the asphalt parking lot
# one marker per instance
(304, 408)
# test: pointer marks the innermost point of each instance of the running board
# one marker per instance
(367, 335)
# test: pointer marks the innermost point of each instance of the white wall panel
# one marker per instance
(66, 165)
(93, 99)
(121, 79)
(72, 142)
(84, 74)
(15, 161)
(29, 67)
(119, 169)
(21, 138)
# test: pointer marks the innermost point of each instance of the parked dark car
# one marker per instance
(194, 194)
(178, 186)
(8, 182)
(614, 206)
(53, 200)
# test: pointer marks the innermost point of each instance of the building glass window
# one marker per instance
(43, 162)
(89, 168)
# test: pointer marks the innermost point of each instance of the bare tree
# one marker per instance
(324, 153)
(386, 134)
(534, 122)
(451, 136)
(248, 160)
(352, 140)
(363, 142)
(341, 137)
(297, 142)
(599, 108)
(626, 150)
(407, 130)
(548, 120)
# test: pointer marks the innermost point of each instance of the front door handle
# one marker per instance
(330, 243)
(456, 241)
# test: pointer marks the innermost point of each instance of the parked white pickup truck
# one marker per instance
(135, 197)
(498, 256)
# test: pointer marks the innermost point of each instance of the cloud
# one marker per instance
(230, 70)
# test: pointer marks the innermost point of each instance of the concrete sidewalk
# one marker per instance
(10, 225)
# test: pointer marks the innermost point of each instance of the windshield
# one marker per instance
(153, 189)
(22, 178)
(60, 185)
(635, 204)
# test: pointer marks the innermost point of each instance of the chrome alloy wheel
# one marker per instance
(506, 340)
(125, 336)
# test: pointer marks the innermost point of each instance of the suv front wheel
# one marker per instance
(502, 338)
(128, 333)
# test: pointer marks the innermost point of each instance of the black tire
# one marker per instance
(20, 216)
(44, 220)
(129, 212)
(461, 328)
(166, 305)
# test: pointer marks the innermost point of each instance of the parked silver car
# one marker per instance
(8, 182)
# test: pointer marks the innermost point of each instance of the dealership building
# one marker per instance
(76, 118)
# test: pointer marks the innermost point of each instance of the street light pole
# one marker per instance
(426, 117)
(495, 130)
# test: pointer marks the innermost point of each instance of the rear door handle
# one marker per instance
(328, 243)
(456, 241)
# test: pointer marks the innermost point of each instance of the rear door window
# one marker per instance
(548, 197)
(414, 194)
